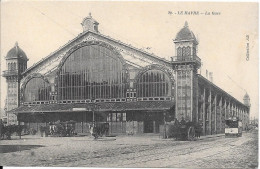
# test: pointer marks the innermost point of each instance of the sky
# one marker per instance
(41, 27)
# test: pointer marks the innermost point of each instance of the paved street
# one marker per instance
(132, 151)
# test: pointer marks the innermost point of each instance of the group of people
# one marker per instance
(59, 129)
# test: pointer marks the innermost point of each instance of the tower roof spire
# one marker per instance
(186, 24)
(186, 34)
(16, 52)
(90, 24)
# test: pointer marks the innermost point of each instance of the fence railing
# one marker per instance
(186, 58)
(10, 72)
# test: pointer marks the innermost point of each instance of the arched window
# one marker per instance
(179, 51)
(184, 53)
(9, 66)
(188, 51)
(194, 51)
(153, 83)
(37, 90)
(92, 72)
(14, 66)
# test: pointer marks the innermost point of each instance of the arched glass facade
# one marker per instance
(153, 83)
(37, 90)
(92, 72)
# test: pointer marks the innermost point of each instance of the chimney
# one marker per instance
(211, 76)
(206, 73)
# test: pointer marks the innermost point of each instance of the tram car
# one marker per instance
(233, 127)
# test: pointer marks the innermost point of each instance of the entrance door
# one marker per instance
(148, 126)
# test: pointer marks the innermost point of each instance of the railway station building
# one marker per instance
(94, 77)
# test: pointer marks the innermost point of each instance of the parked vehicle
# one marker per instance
(98, 129)
(181, 130)
(233, 127)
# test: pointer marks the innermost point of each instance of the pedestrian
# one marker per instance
(183, 122)
(1, 128)
(197, 130)
(42, 130)
(91, 129)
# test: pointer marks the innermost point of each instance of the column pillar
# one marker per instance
(210, 113)
(215, 102)
(225, 109)
(229, 109)
(220, 115)
(204, 112)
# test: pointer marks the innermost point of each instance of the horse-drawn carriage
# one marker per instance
(9, 130)
(98, 129)
(184, 130)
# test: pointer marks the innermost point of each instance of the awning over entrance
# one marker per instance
(105, 106)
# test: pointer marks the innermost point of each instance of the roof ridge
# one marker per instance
(106, 36)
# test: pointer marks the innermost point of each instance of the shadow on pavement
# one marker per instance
(14, 148)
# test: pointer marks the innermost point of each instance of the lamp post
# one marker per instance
(93, 108)
(93, 111)
(164, 114)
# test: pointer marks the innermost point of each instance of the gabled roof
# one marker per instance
(151, 55)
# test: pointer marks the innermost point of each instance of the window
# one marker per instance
(92, 72)
(95, 28)
(157, 85)
(113, 116)
(184, 53)
(37, 90)
(179, 52)
(188, 51)
(118, 117)
(124, 116)
(194, 51)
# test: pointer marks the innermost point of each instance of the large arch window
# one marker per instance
(92, 72)
(153, 83)
(37, 90)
